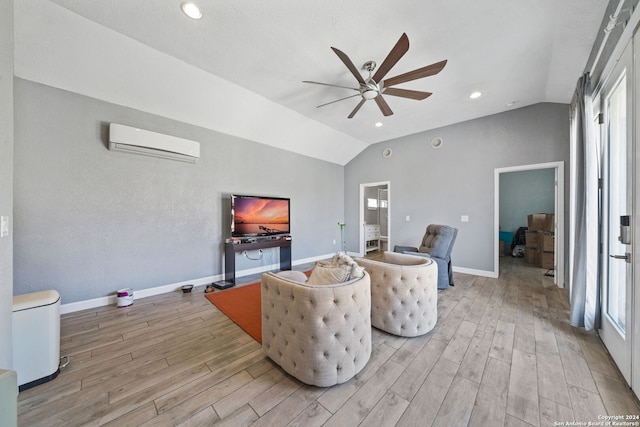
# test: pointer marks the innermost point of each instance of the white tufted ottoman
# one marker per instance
(320, 334)
(404, 293)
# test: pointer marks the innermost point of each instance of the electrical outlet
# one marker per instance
(407, 218)
(4, 226)
(464, 218)
(334, 241)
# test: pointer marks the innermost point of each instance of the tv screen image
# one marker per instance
(259, 216)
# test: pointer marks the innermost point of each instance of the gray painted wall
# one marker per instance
(90, 221)
(439, 185)
(6, 180)
(523, 193)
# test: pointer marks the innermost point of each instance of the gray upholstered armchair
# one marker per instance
(437, 243)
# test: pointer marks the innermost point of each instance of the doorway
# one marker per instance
(375, 218)
(558, 206)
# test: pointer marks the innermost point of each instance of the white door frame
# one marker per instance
(635, 297)
(361, 247)
(559, 215)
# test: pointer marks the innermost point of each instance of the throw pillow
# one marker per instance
(296, 276)
(327, 274)
(356, 271)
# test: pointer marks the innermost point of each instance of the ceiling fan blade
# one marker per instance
(405, 93)
(345, 59)
(355, 110)
(337, 100)
(384, 107)
(332, 85)
(398, 51)
(420, 73)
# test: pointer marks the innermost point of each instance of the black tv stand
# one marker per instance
(233, 246)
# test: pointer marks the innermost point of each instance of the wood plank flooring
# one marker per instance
(502, 354)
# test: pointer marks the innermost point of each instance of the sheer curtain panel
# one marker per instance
(583, 211)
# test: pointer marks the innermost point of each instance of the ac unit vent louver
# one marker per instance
(139, 141)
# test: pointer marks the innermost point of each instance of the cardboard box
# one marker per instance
(546, 241)
(501, 250)
(547, 260)
(537, 222)
(550, 223)
(530, 255)
(531, 239)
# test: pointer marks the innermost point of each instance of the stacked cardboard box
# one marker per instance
(540, 240)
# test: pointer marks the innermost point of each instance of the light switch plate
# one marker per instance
(4, 226)
(464, 218)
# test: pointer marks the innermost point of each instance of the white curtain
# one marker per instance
(583, 211)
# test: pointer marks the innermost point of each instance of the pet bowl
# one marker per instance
(187, 288)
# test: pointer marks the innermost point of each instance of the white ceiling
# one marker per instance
(510, 50)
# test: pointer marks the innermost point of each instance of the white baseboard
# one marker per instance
(475, 272)
(137, 294)
(143, 293)
(313, 259)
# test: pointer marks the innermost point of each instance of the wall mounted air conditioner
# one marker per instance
(140, 141)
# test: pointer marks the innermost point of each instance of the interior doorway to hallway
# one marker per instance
(375, 218)
(556, 193)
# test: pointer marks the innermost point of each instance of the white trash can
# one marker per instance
(36, 337)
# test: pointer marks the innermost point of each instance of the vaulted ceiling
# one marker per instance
(516, 53)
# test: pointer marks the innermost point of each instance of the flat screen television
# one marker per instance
(253, 216)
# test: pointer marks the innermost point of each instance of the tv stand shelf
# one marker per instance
(230, 249)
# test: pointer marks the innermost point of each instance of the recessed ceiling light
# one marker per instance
(378, 124)
(191, 10)
(475, 95)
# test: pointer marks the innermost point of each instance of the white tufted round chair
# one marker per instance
(320, 334)
(404, 293)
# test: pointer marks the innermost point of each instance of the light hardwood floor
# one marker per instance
(502, 354)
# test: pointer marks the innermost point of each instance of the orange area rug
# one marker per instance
(242, 305)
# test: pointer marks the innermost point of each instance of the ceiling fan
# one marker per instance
(374, 87)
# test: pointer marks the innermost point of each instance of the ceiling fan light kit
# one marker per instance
(374, 87)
